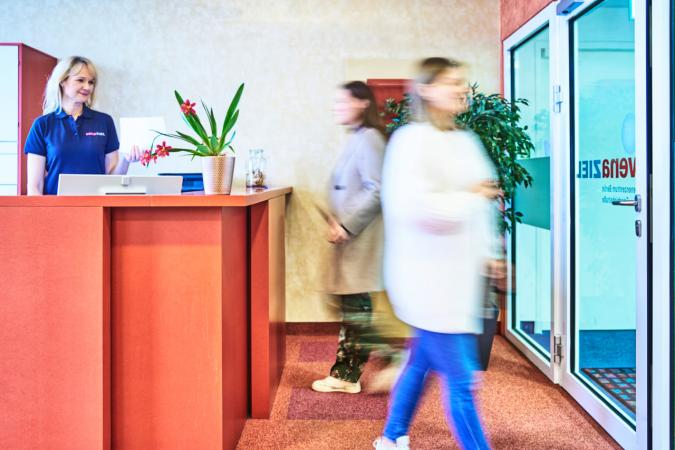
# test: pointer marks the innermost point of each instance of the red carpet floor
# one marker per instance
(520, 407)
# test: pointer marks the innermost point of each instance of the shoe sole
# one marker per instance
(327, 389)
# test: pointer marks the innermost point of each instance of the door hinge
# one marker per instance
(557, 98)
(557, 348)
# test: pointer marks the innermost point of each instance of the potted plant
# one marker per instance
(213, 147)
(495, 120)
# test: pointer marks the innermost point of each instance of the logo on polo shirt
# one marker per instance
(94, 133)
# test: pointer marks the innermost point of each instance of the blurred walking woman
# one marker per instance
(70, 137)
(436, 199)
(355, 230)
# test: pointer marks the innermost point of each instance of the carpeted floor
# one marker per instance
(521, 409)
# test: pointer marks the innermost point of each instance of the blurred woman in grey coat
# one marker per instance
(355, 230)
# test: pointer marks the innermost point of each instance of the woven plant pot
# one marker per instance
(217, 172)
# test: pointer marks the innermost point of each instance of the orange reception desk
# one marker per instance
(139, 322)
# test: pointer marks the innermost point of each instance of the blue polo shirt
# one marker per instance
(72, 146)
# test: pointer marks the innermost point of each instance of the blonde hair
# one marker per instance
(66, 67)
(427, 71)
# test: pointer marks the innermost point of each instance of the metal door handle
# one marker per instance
(637, 203)
(624, 203)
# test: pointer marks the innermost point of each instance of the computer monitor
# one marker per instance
(70, 184)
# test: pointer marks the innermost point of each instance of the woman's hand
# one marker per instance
(496, 270)
(336, 233)
(134, 154)
(488, 189)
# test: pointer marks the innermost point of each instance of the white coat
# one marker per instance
(438, 234)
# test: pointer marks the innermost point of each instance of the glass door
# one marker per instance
(606, 315)
(531, 239)
(528, 60)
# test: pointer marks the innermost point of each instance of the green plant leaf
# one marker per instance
(204, 150)
(229, 127)
(230, 118)
(180, 136)
(214, 144)
(227, 144)
(185, 150)
(212, 119)
(188, 138)
(178, 98)
(198, 128)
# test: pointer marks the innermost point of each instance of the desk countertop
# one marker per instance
(238, 197)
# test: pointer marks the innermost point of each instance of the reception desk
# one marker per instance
(139, 322)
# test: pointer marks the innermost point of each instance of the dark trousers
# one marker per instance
(354, 344)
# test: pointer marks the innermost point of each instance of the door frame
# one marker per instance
(662, 110)
(546, 17)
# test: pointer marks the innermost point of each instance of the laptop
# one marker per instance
(70, 184)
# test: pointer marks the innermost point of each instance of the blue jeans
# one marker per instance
(454, 357)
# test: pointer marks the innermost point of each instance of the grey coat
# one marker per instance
(354, 193)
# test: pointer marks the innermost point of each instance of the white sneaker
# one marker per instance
(382, 444)
(332, 384)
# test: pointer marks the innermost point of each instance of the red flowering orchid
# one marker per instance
(188, 108)
(150, 156)
(163, 149)
(146, 157)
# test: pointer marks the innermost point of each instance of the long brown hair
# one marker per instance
(371, 117)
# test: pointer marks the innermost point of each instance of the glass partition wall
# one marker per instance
(531, 240)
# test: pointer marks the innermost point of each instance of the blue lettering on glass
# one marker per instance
(596, 169)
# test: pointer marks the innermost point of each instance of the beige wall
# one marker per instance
(291, 54)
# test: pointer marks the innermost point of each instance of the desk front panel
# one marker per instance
(179, 331)
(54, 338)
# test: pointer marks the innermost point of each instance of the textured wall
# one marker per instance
(515, 13)
(290, 53)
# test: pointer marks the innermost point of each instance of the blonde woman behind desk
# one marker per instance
(70, 137)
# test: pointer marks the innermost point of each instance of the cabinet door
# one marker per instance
(9, 93)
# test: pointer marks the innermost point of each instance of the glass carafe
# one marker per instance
(255, 175)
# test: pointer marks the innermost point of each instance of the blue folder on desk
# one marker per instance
(191, 181)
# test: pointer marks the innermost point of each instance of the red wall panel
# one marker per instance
(514, 13)
(384, 88)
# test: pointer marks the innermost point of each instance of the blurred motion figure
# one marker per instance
(355, 230)
(438, 187)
